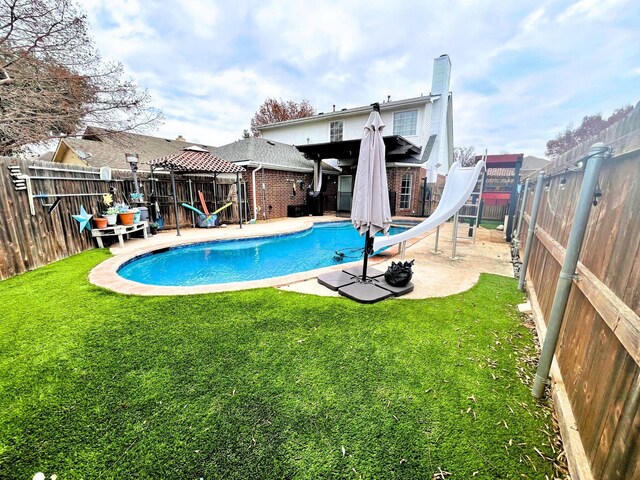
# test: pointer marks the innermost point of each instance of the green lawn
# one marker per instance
(262, 384)
(490, 224)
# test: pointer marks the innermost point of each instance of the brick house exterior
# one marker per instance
(284, 172)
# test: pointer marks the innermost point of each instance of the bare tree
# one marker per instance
(591, 125)
(53, 81)
(273, 110)
(465, 155)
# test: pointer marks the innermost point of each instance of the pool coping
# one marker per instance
(105, 274)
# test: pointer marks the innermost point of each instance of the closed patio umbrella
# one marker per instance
(370, 212)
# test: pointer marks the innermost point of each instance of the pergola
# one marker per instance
(196, 160)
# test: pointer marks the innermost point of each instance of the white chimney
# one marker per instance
(440, 158)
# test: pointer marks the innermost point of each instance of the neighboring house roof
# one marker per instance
(196, 161)
(254, 151)
(354, 111)
(533, 164)
(46, 156)
(98, 148)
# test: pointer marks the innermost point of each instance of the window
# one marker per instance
(405, 123)
(405, 191)
(335, 131)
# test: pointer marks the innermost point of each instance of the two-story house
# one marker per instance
(418, 137)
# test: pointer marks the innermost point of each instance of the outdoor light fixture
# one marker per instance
(563, 183)
(132, 159)
(596, 195)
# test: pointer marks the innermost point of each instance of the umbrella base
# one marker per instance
(372, 290)
(335, 280)
(365, 292)
(357, 271)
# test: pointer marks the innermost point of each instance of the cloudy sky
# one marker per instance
(522, 70)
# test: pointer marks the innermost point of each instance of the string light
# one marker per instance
(563, 183)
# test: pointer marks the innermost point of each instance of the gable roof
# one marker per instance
(98, 148)
(531, 163)
(271, 154)
(196, 161)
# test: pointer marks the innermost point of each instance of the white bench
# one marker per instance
(120, 231)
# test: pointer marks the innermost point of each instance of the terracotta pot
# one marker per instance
(126, 218)
(99, 222)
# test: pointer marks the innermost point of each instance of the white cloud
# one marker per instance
(520, 69)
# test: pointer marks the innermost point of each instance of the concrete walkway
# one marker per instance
(434, 274)
(437, 275)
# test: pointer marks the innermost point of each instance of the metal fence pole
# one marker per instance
(524, 201)
(532, 230)
(455, 236)
(567, 274)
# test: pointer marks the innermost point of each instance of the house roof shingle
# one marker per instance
(109, 149)
(268, 153)
(191, 161)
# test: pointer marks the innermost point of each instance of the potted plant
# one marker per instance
(99, 222)
(136, 215)
(125, 214)
(153, 228)
(111, 214)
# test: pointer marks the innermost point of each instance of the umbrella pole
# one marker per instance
(366, 256)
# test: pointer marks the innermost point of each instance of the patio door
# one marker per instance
(344, 193)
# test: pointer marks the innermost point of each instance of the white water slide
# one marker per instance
(461, 182)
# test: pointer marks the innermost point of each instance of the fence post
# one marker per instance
(524, 200)
(532, 229)
(567, 274)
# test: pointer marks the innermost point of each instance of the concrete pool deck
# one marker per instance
(435, 275)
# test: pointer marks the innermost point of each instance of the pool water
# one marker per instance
(248, 259)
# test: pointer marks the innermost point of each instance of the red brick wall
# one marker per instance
(394, 179)
(278, 191)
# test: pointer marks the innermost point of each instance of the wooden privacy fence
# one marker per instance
(494, 212)
(598, 351)
(29, 241)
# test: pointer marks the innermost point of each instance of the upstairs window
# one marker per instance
(405, 123)
(335, 131)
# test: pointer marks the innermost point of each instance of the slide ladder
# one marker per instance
(461, 183)
(469, 213)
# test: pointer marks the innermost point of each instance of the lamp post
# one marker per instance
(133, 159)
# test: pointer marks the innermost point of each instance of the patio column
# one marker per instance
(239, 198)
(175, 200)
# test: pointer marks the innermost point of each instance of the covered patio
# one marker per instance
(198, 161)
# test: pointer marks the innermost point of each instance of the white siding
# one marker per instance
(316, 130)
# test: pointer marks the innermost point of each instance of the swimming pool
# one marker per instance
(242, 260)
